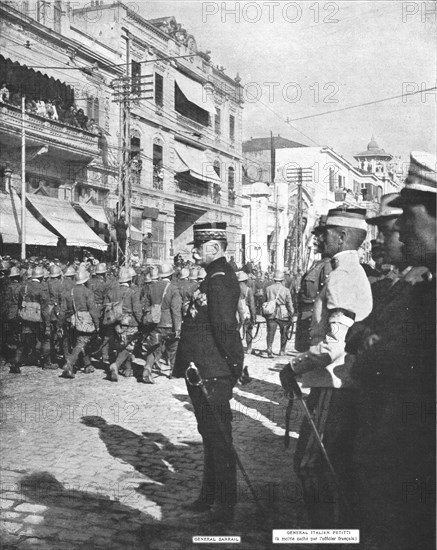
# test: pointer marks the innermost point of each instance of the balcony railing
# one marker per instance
(48, 131)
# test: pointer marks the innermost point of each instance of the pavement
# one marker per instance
(92, 464)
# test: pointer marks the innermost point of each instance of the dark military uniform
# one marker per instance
(52, 339)
(312, 283)
(9, 317)
(32, 332)
(394, 454)
(83, 301)
(210, 340)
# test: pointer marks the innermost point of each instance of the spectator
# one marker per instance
(4, 94)
(148, 246)
(16, 99)
(92, 127)
(81, 118)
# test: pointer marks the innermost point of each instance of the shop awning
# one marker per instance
(10, 223)
(64, 219)
(195, 93)
(97, 213)
(150, 213)
(194, 161)
(135, 234)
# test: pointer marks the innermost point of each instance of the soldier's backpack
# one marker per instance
(153, 316)
(243, 311)
(113, 313)
(30, 311)
(269, 307)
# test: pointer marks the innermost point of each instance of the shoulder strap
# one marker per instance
(217, 273)
(72, 297)
(164, 293)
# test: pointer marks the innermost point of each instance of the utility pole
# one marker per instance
(272, 177)
(23, 179)
(299, 221)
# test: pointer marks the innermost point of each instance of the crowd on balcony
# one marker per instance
(58, 109)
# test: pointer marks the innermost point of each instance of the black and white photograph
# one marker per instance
(218, 274)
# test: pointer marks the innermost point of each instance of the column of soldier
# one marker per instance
(65, 316)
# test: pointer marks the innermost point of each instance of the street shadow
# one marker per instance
(86, 517)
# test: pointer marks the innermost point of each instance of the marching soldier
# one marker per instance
(79, 302)
(168, 327)
(33, 305)
(246, 310)
(283, 312)
(345, 298)
(53, 333)
(211, 341)
(311, 285)
(10, 319)
(127, 327)
(394, 454)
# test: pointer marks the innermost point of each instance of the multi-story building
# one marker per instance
(326, 179)
(66, 162)
(185, 119)
(185, 127)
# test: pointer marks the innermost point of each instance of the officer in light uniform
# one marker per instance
(345, 298)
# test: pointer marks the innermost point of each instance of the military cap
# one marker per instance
(15, 272)
(166, 270)
(386, 211)
(320, 224)
(354, 218)
(204, 232)
(82, 276)
(422, 178)
(278, 275)
(125, 275)
(37, 273)
(55, 271)
(193, 274)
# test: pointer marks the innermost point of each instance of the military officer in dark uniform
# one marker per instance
(210, 340)
(311, 284)
(52, 342)
(10, 319)
(394, 454)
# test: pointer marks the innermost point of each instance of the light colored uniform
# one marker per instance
(345, 299)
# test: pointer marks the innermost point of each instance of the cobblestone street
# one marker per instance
(92, 464)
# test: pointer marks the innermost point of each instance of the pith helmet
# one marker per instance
(185, 273)
(37, 273)
(154, 274)
(147, 278)
(132, 272)
(242, 276)
(15, 272)
(82, 276)
(55, 271)
(278, 276)
(46, 273)
(166, 270)
(125, 275)
(101, 269)
(201, 274)
(193, 274)
(70, 271)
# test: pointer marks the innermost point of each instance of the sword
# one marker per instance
(197, 381)
(295, 388)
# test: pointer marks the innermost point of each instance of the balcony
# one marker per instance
(75, 142)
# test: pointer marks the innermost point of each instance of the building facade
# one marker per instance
(325, 180)
(184, 119)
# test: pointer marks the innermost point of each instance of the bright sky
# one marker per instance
(323, 56)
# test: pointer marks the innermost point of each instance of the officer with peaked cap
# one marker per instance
(34, 302)
(210, 339)
(345, 298)
(394, 453)
(311, 285)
